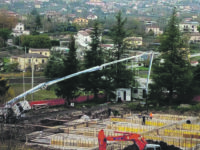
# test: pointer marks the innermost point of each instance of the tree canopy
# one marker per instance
(4, 34)
(35, 41)
(122, 77)
(69, 88)
(94, 57)
(6, 20)
(5, 91)
(171, 71)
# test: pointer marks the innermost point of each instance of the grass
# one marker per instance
(39, 95)
(20, 74)
(143, 68)
(197, 58)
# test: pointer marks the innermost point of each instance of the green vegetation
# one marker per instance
(94, 57)
(4, 34)
(5, 90)
(39, 95)
(172, 76)
(143, 68)
(35, 41)
(197, 58)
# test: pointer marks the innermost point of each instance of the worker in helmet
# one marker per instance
(150, 115)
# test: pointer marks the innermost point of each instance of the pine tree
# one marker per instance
(118, 34)
(122, 77)
(68, 89)
(4, 88)
(94, 57)
(172, 73)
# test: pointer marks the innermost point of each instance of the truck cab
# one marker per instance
(152, 147)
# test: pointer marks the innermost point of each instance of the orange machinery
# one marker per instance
(136, 138)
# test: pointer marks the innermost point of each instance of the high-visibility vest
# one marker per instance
(151, 115)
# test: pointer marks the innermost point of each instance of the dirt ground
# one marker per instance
(13, 136)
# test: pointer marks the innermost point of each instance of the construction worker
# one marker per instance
(143, 120)
(150, 115)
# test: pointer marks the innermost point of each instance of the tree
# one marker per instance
(118, 34)
(171, 72)
(4, 34)
(68, 89)
(4, 87)
(38, 21)
(196, 80)
(54, 66)
(121, 76)
(6, 20)
(35, 41)
(94, 57)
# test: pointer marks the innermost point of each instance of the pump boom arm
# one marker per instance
(46, 84)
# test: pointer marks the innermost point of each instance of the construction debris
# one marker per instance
(82, 133)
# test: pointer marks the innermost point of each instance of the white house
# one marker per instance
(189, 26)
(83, 38)
(83, 41)
(20, 30)
(194, 37)
(156, 30)
(92, 17)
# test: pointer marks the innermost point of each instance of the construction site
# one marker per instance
(81, 132)
(48, 124)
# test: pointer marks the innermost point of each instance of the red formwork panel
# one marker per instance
(52, 102)
(61, 101)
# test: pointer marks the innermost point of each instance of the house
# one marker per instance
(20, 30)
(81, 21)
(194, 63)
(62, 50)
(132, 42)
(92, 17)
(189, 26)
(83, 41)
(107, 46)
(52, 15)
(154, 28)
(44, 52)
(83, 38)
(30, 59)
(96, 3)
(194, 37)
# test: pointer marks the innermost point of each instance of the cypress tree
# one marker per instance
(68, 89)
(171, 72)
(94, 57)
(122, 77)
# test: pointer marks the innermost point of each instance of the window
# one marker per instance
(29, 61)
(135, 91)
(45, 53)
(36, 60)
(41, 53)
(43, 61)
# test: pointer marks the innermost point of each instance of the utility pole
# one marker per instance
(32, 74)
(24, 73)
